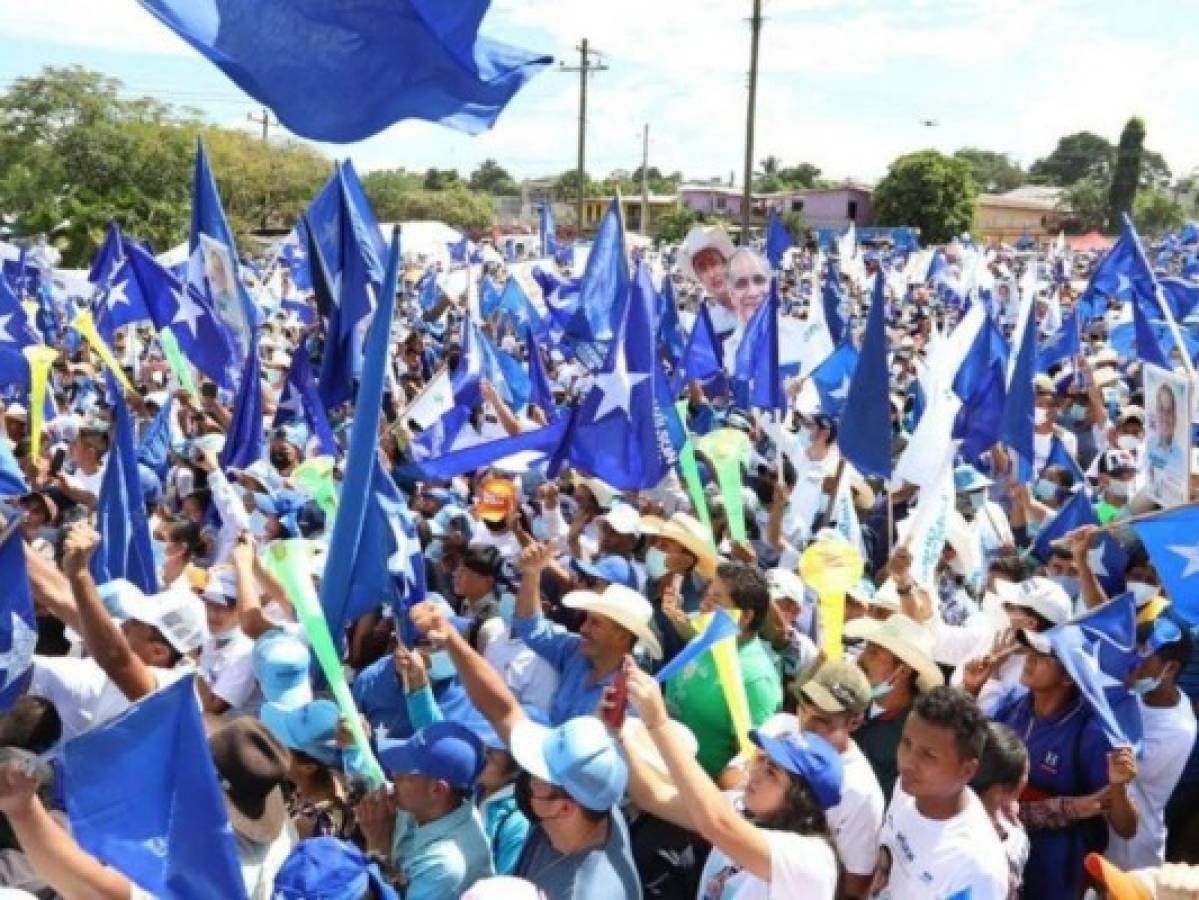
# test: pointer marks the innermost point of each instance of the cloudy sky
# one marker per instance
(845, 84)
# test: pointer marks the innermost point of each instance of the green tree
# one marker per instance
(441, 179)
(400, 196)
(804, 175)
(1085, 202)
(993, 172)
(930, 191)
(1127, 173)
(1155, 172)
(492, 178)
(565, 187)
(1077, 156)
(658, 183)
(796, 225)
(1155, 212)
(672, 227)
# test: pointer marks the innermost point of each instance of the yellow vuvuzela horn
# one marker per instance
(40, 356)
(86, 326)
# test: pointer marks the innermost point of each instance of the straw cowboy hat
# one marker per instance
(698, 239)
(911, 643)
(689, 533)
(625, 607)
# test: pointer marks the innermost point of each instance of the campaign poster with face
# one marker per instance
(1167, 435)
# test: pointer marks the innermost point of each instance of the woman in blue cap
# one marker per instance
(772, 841)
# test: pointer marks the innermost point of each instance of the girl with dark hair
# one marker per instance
(771, 840)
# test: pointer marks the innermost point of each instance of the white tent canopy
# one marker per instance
(429, 239)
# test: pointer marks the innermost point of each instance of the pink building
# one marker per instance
(832, 207)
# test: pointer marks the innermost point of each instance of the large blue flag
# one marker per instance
(1172, 541)
(244, 441)
(361, 459)
(409, 59)
(1018, 405)
(758, 356)
(108, 258)
(12, 480)
(1124, 273)
(778, 240)
(125, 550)
(865, 436)
(335, 384)
(626, 431)
(1107, 558)
(143, 796)
(18, 626)
(980, 384)
(1063, 344)
(202, 337)
(832, 298)
(526, 446)
(212, 266)
(16, 330)
(540, 392)
(518, 311)
(120, 303)
(300, 399)
(833, 377)
(1148, 347)
(389, 565)
(603, 293)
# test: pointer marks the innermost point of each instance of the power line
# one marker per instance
(584, 68)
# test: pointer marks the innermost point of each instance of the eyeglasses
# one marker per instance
(745, 281)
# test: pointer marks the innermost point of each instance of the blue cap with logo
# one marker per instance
(810, 757)
(448, 751)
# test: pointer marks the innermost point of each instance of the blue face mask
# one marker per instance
(1068, 583)
(655, 563)
(258, 523)
(441, 666)
(1143, 686)
(540, 529)
(882, 689)
(433, 550)
(1045, 490)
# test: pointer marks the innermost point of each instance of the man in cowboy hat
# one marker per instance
(615, 622)
(704, 257)
(252, 766)
(898, 662)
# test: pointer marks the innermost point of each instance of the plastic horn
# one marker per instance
(689, 468)
(86, 326)
(183, 374)
(289, 561)
(40, 357)
(31, 310)
(727, 448)
(315, 475)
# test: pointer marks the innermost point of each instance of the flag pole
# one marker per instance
(1117, 524)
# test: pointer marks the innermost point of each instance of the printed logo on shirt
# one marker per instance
(1050, 762)
(714, 890)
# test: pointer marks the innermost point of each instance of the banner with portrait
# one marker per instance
(1167, 465)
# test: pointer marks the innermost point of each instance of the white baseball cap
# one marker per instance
(1043, 596)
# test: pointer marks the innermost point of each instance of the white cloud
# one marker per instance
(99, 24)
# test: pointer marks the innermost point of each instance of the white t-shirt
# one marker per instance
(1169, 734)
(925, 859)
(800, 867)
(227, 665)
(856, 820)
(532, 680)
(82, 692)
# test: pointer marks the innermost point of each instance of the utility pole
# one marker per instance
(584, 68)
(755, 28)
(645, 180)
(264, 119)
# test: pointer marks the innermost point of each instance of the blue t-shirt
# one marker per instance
(380, 697)
(1067, 757)
(606, 872)
(560, 648)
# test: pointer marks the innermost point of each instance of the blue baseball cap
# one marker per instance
(966, 478)
(311, 728)
(810, 757)
(448, 751)
(578, 756)
(612, 569)
(325, 868)
(281, 664)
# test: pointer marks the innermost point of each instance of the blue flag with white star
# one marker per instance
(603, 293)
(125, 550)
(202, 337)
(108, 258)
(703, 357)
(833, 376)
(143, 796)
(1124, 273)
(119, 303)
(18, 626)
(1063, 344)
(1172, 541)
(16, 331)
(627, 432)
(1107, 557)
(408, 59)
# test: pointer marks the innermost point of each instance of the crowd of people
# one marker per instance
(925, 734)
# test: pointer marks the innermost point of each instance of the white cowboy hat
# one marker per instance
(701, 238)
(625, 607)
(911, 643)
(688, 532)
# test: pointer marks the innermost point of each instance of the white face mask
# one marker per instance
(1119, 488)
(1129, 443)
(1040, 416)
(1142, 591)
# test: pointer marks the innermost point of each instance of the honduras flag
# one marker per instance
(143, 797)
(305, 59)
(1172, 541)
(18, 626)
(626, 432)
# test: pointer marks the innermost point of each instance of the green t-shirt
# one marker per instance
(696, 699)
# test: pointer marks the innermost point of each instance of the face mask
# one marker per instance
(258, 523)
(655, 563)
(507, 608)
(1068, 583)
(1143, 686)
(1111, 397)
(1119, 488)
(978, 500)
(882, 689)
(433, 551)
(1040, 416)
(804, 438)
(1129, 443)
(540, 529)
(441, 666)
(1142, 591)
(1045, 490)
(1074, 414)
